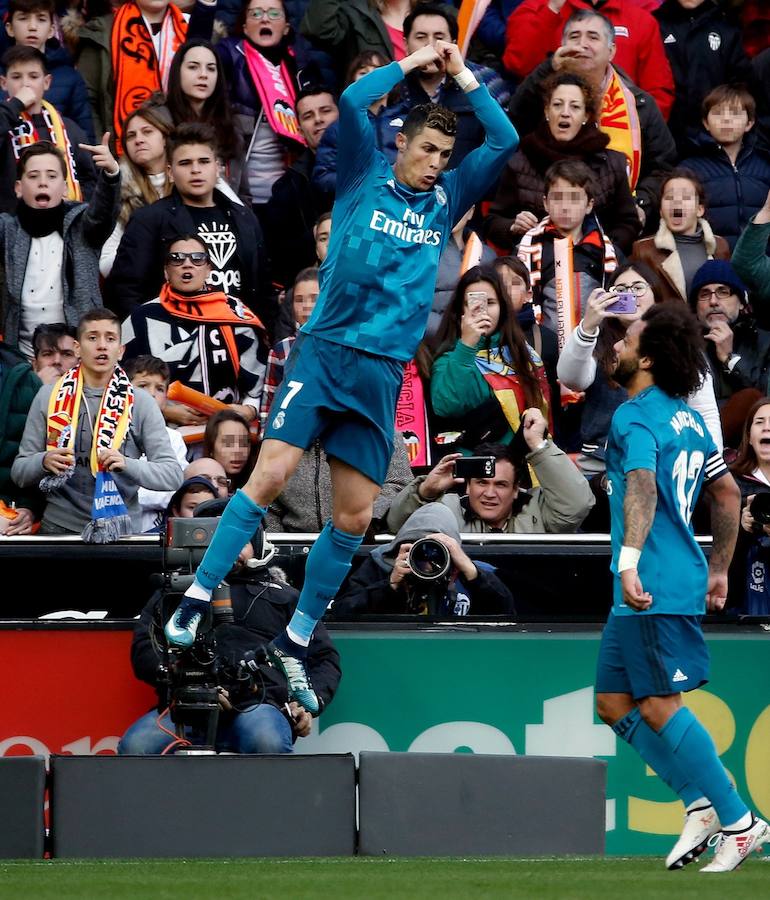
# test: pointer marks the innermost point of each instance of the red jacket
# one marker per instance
(533, 31)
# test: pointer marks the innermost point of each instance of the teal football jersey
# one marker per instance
(378, 280)
(662, 434)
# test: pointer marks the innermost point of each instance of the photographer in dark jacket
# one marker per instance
(386, 582)
(259, 722)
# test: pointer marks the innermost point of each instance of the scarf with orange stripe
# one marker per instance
(26, 134)
(569, 299)
(218, 313)
(110, 519)
(137, 70)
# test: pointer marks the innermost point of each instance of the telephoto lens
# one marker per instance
(428, 559)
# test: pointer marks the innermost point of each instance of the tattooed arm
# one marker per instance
(638, 513)
(639, 507)
(725, 498)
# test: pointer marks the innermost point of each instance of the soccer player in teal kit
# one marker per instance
(659, 455)
(343, 377)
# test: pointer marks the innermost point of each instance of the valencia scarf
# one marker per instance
(276, 93)
(412, 417)
(218, 313)
(620, 120)
(496, 367)
(137, 70)
(26, 134)
(110, 518)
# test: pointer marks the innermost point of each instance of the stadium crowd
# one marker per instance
(167, 176)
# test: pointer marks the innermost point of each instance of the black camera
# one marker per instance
(190, 679)
(760, 511)
(429, 573)
(474, 467)
(428, 559)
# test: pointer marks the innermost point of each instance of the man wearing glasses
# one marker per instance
(210, 341)
(738, 351)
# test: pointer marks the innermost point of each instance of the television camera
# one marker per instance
(196, 683)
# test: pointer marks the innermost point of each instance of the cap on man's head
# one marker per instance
(717, 271)
(184, 487)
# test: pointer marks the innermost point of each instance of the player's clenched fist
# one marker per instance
(451, 57)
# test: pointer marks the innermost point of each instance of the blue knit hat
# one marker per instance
(717, 271)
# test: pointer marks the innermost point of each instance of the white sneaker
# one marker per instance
(700, 824)
(732, 847)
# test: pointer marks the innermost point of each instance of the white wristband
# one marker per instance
(464, 79)
(628, 558)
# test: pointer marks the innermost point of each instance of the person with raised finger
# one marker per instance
(52, 275)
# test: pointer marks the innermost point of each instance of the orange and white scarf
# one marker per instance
(137, 70)
(26, 134)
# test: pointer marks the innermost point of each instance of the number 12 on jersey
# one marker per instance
(687, 468)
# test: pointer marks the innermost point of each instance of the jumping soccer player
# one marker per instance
(343, 377)
(659, 455)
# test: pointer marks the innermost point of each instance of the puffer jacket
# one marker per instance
(734, 193)
(522, 185)
(345, 28)
(658, 149)
(705, 49)
(68, 91)
(247, 110)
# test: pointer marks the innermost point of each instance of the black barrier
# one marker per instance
(449, 804)
(204, 806)
(566, 576)
(22, 798)
(552, 577)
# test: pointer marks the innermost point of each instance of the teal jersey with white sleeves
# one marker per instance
(377, 282)
(662, 434)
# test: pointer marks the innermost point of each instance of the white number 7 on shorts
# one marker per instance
(294, 388)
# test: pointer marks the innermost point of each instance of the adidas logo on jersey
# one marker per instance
(679, 676)
(669, 39)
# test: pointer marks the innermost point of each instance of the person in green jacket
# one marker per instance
(18, 387)
(750, 259)
(484, 373)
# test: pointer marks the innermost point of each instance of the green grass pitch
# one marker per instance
(369, 879)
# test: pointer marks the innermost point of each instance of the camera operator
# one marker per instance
(498, 504)
(405, 576)
(258, 719)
